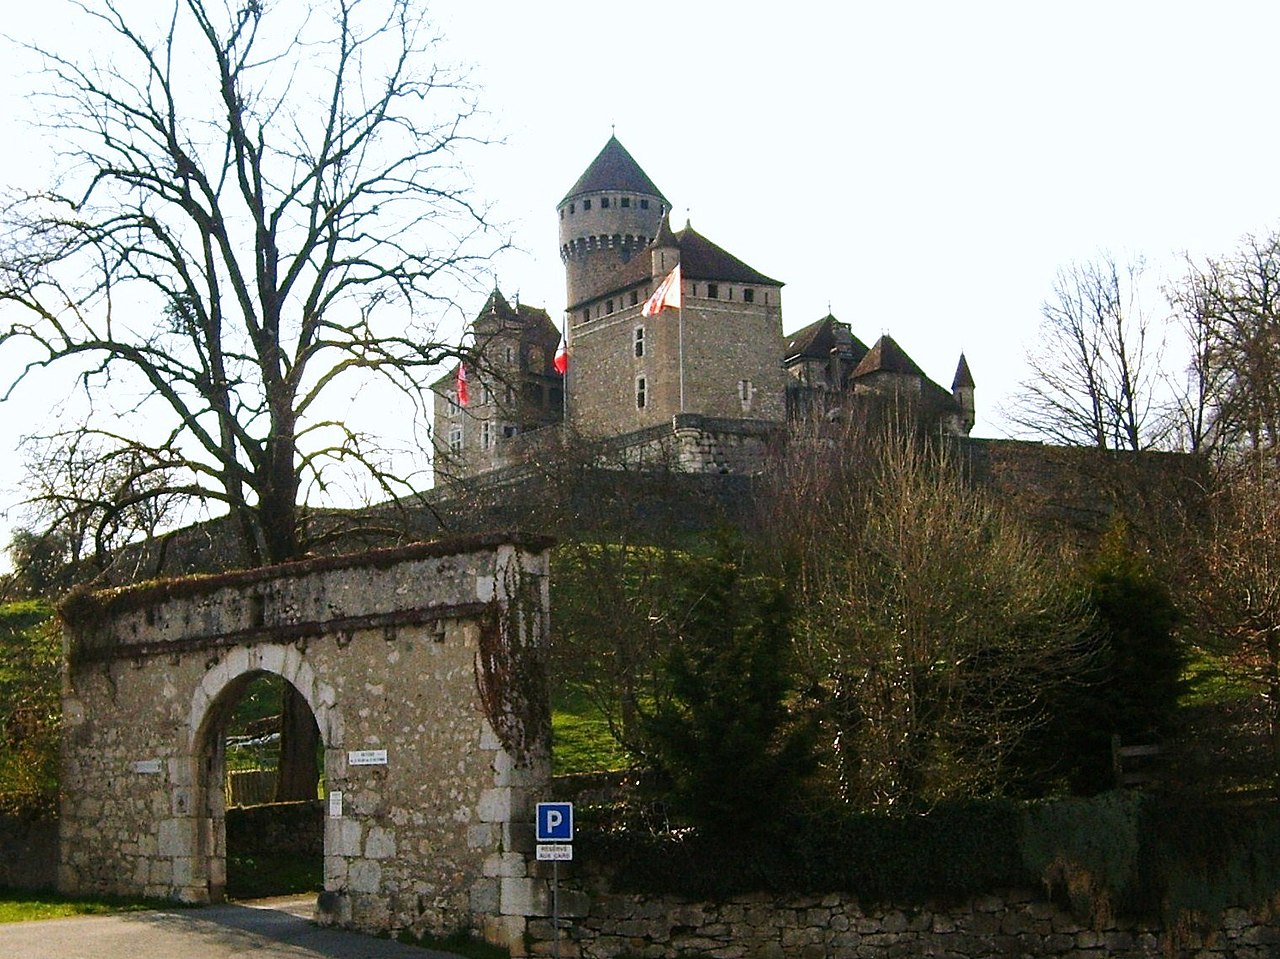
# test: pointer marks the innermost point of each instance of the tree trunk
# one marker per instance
(298, 775)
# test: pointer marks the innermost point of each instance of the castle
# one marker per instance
(708, 368)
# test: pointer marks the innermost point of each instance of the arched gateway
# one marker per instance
(425, 670)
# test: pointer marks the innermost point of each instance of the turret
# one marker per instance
(962, 390)
(665, 250)
(609, 215)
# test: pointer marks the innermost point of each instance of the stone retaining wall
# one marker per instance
(1009, 926)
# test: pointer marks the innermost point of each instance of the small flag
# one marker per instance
(667, 294)
(463, 395)
(561, 362)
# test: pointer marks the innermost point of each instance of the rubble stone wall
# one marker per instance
(835, 927)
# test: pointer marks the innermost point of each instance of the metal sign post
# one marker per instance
(555, 838)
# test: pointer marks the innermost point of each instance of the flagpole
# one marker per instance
(680, 350)
(564, 378)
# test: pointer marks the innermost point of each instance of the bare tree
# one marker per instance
(260, 203)
(92, 495)
(1231, 305)
(1095, 371)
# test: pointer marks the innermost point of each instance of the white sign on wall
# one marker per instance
(367, 757)
(335, 804)
(148, 767)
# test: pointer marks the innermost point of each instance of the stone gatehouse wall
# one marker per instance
(430, 654)
(1014, 925)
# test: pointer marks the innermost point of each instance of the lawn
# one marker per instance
(580, 737)
(18, 905)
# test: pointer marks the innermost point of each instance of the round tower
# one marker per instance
(609, 216)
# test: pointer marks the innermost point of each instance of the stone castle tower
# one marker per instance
(718, 356)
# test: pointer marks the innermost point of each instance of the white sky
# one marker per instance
(919, 168)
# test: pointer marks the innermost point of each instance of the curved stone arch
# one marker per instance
(286, 661)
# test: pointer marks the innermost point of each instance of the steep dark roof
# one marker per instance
(700, 259)
(818, 339)
(887, 357)
(614, 169)
(963, 378)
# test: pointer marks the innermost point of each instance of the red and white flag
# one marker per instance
(667, 294)
(561, 362)
(463, 394)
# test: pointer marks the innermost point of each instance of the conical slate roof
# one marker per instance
(963, 378)
(614, 169)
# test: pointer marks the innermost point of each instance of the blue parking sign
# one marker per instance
(555, 822)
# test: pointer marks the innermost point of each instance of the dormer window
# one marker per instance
(571, 209)
(604, 203)
(626, 202)
(644, 204)
(713, 291)
(586, 205)
(749, 295)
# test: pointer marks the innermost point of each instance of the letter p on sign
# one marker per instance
(555, 822)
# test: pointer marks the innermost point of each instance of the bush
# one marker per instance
(30, 709)
(723, 747)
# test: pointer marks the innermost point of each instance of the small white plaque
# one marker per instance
(148, 767)
(555, 852)
(367, 757)
(335, 805)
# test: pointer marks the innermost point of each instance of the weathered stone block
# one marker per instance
(525, 897)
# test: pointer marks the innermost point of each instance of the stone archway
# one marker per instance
(425, 670)
(215, 700)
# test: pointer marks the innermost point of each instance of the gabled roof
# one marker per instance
(614, 169)
(963, 378)
(818, 339)
(887, 357)
(700, 259)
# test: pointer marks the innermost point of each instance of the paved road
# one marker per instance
(268, 929)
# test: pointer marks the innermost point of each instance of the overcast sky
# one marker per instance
(921, 168)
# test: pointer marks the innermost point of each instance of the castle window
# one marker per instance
(604, 203)
(455, 409)
(713, 291)
(626, 202)
(608, 306)
(586, 315)
(586, 205)
(749, 295)
(455, 438)
(639, 341)
(571, 209)
(644, 204)
(511, 355)
(635, 297)
(486, 435)
(508, 431)
(486, 395)
(642, 393)
(744, 394)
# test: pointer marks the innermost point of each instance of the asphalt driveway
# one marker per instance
(267, 929)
